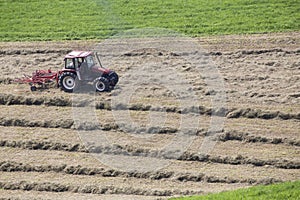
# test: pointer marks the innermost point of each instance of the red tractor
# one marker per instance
(80, 67)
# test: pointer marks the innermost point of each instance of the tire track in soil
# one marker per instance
(10, 99)
(10, 166)
(133, 151)
(91, 189)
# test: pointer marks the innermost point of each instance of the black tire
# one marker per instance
(67, 81)
(101, 84)
(33, 88)
(113, 78)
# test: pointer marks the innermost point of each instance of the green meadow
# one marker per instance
(35, 20)
(282, 191)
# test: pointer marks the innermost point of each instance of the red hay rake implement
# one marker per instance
(39, 77)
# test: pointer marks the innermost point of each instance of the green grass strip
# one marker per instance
(31, 20)
(284, 191)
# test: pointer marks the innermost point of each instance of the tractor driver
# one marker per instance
(83, 66)
(78, 62)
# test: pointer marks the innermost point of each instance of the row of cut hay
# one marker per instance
(10, 166)
(144, 152)
(10, 99)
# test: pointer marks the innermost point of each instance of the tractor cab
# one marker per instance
(84, 64)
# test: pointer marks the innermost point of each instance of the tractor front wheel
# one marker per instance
(114, 78)
(33, 88)
(101, 84)
(67, 81)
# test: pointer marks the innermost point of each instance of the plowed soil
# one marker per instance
(43, 134)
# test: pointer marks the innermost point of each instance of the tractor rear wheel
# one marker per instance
(67, 81)
(101, 84)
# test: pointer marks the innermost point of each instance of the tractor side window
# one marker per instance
(90, 61)
(69, 63)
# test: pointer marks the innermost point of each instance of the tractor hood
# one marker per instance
(101, 70)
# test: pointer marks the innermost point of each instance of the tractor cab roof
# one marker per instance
(78, 54)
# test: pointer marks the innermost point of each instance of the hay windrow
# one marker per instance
(250, 138)
(8, 166)
(91, 189)
(134, 151)
(10, 99)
